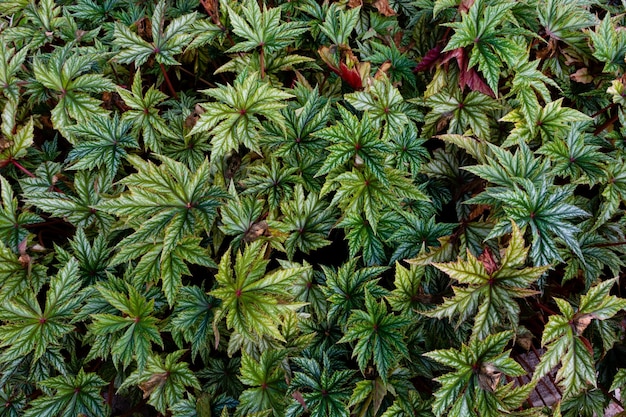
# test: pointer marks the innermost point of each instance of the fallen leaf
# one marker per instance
(582, 76)
(256, 231)
(382, 70)
(580, 323)
(489, 377)
(383, 8)
(355, 3)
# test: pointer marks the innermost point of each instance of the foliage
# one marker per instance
(311, 208)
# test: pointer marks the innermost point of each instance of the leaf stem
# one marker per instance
(209, 83)
(21, 168)
(168, 82)
(262, 62)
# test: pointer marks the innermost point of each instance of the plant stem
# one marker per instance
(168, 82)
(262, 62)
(209, 83)
(21, 168)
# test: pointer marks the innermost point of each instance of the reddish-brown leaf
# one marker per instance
(488, 261)
(429, 60)
(383, 8)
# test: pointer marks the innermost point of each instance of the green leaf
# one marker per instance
(267, 381)
(254, 302)
(308, 220)
(489, 293)
(79, 207)
(324, 390)
(474, 386)
(240, 217)
(103, 146)
(133, 332)
(263, 28)
(480, 28)
(12, 222)
(346, 287)
(66, 74)
(15, 274)
(192, 320)
(10, 62)
(471, 111)
(73, 395)
(384, 104)
(576, 158)
(609, 45)
(550, 121)
(234, 118)
(167, 203)
(144, 114)
(339, 24)
(356, 141)
(30, 329)
(166, 41)
(565, 343)
(546, 210)
(164, 381)
(379, 336)
(18, 141)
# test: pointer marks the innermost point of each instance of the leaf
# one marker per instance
(262, 28)
(29, 329)
(609, 44)
(339, 24)
(163, 382)
(166, 41)
(550, 121)
(78, 207)
(565, 344)
(267, 381)
(103, 145)
(234, 118)
(170, 205)
(461, 387)
(384, 105)
(12, 220)
(470, 111)
(67, 75)
(489, 295)
(479, 28)
(254, 302)
(74, 395)
(144, 114)
(14, 143)
(354, 140)
(192, 320)
(133, 332)
(307, 220)
(547, 212)
(378, 336)
(324, 390)
(10, 62)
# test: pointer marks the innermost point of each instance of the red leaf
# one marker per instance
(351, 76)
(475, 82)
(429, 60)
(468, 77)
(465, 5)
(488, 261)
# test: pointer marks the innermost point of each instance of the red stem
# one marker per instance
(21, 168)
(168, 82)
(262, 62)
